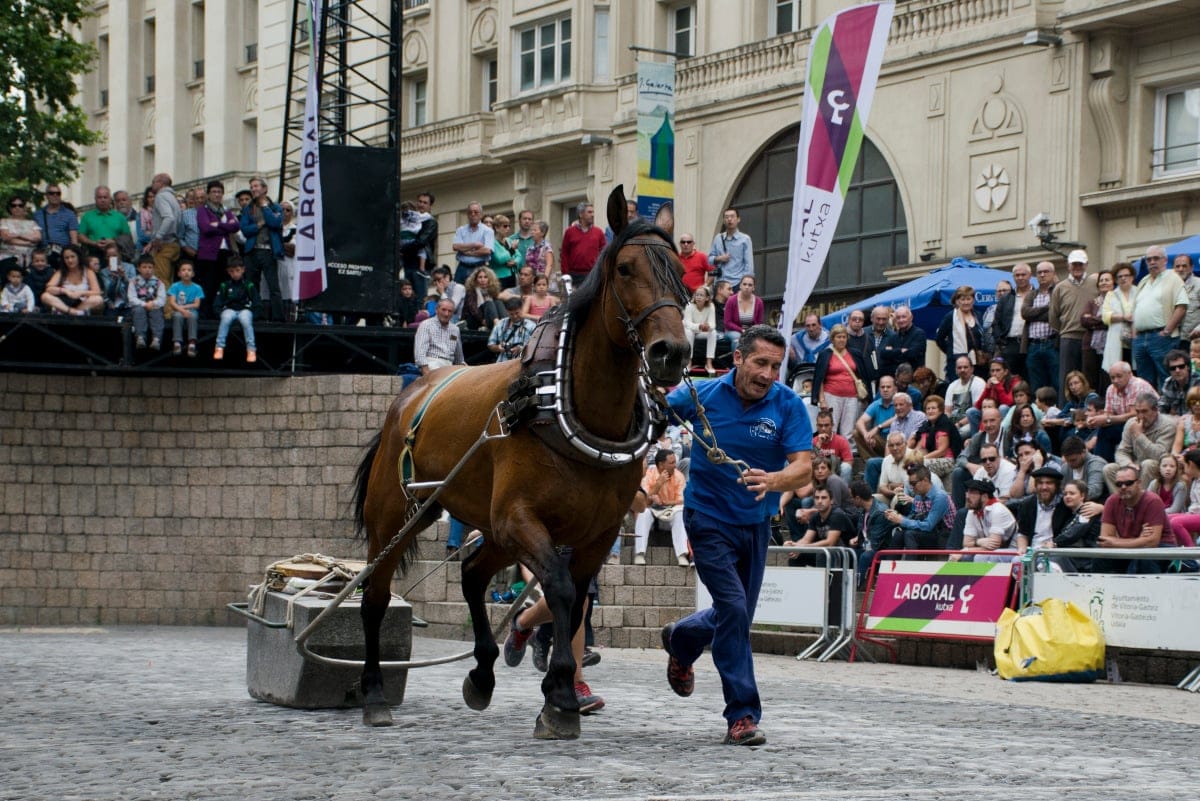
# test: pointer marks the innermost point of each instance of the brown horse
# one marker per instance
(551, 494)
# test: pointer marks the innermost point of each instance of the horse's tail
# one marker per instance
(362, 477)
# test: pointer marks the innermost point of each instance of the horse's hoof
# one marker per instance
(377, 715)
(475, 698)
(556, 724)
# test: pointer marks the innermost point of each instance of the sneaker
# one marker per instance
(156, 344)
(683, 560)
(639, 558)
(744, 732)
(541, 654)
(178, 349)
(191, 350)
(588, 703)
(218, 354)
(140, 344)
(251, 356)
(681, 678)
(514, 644)
(590, 657)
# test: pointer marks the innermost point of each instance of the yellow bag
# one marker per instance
(1049, 641)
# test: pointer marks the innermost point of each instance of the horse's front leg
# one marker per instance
(559, 719)
(477, 571)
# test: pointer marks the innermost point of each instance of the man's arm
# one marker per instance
(796, 473)
(937, 510)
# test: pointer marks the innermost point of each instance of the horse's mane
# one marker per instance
(584, 296)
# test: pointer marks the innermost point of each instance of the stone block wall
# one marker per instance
(159, 500)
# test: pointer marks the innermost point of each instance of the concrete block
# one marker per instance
(277, 673)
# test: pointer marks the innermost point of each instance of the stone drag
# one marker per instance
(163, 713)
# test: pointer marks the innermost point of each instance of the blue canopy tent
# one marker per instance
(929, 296)
(1190, 246)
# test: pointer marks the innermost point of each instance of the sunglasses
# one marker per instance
(16, 205)
(1124, 484)
(685, 241)
(54, 193)
(990, 459)
(1178, 367)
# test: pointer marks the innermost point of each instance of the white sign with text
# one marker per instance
(1158, 612)
(790, 596)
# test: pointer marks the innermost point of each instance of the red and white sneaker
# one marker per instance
(588, 701)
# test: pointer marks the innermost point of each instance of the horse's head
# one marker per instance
(643, 290)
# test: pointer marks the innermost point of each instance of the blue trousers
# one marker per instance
(730, 560)
(1041, 364)
(1149, 350)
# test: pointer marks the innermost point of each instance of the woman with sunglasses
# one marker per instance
(19, 235)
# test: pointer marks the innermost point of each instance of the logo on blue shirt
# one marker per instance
(765, 429)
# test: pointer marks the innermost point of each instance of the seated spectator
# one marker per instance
(1145, 438)
(114, 284)
(1072, 414)
(962, 394)
(1172, 397)
(907, 421)
(1041, 514)
(1186, 524)
(1079, 465)
(1031, 457)
(509, 335)
(937, 438)
(743, 310)
(874, 534)
(237, 299)
(444, 287)
(39, 274)
(1022, 396)
(74, 289)
(1119, 399)
(999, 387)
(871, 428)
(797, 508)
(700, 322)
(1171, 486)
(480, 307)
(887, 476)
(988, 525)
(827, 527)
(1133, 518)
(996, 470)
(925, 382)
(541, 301)
(663, 486)
(928, 523)
(833, 447)
(16, 297)
(969, 460)
(146, 296)
(904, 379)
(1081, 531)
(409, 305)
(1187, 428)
(1025, 427)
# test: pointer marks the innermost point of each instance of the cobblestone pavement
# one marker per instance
(162, 713)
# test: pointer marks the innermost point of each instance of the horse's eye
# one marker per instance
(624, 269)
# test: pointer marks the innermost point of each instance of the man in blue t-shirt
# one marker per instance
(761, 422)
(871, 428)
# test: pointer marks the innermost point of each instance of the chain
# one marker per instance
(714, 452)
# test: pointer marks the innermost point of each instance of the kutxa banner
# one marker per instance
(655, 136)
(310, 279)
(944, 599)
(843, 66)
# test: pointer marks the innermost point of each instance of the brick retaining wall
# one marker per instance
(158, 500)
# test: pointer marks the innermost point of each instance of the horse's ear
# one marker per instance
(618, 211)
(665, 219)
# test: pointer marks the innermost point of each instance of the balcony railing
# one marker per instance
(411, 4)
(932, 17)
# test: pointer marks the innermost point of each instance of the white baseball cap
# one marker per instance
(1077, 257)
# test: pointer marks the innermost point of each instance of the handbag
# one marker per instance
(860, 389)
(664, 514)
(1052, 640)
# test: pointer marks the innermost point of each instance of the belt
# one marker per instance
(1045, 339)
(1148, 331)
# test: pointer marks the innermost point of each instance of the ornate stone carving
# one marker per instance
(414, 50)
(997, 116)
(483, 32)
(250, 98)
(198, 110)
(1108, 98)
(150, 123)
(991, 188)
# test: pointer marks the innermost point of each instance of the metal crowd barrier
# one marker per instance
(837, 625)
(1182, 591)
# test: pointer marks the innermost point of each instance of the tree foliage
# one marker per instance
(41, 128)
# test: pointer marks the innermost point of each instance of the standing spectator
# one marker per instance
(743, 310)
(19, 235)
(59, 225)
(1041, 352)
(237, 299)
(1009, 326)
(960, 333)
(438, 343)
(472, 243)
(216, 225)
(1117, 314)
(1068, 302)
(729, 520)
(143, 224)
(124, 204)
(102, 225)
(855, 322)
(988, 324)
(696, 269)
(74, 289)
(1133, 518)
(581, 243)
(1158, 310)
(838, 375)
(416, 231)
(261, 222)
(164, 235)
(522, 238)
(16, 298)
(732, 252)
(506, 259)
(425, 201)
(510, 334)
(1095, 338)
(700, 320)
(877, 336)
(287, 265)
(808, 343)
(905, 345)
(189, 231)
(183, 299)
(147, 294)
(540, 254)
(1190, 329)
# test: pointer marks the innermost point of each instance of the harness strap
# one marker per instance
(404, 465)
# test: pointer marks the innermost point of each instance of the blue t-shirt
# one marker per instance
(762, 435)
(879, 413)
(185, 294)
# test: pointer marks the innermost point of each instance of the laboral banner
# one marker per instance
(843, 66)
(310, 280)
(948, 599)
(655, 136)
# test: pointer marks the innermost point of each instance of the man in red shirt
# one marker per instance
(833, 446)
(696, 269)
(1133, 518)
(581, 243)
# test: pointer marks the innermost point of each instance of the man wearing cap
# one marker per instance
(1158, 311)
(988, 525)
(1145, 438)
(1042, 513)
(1068, 300)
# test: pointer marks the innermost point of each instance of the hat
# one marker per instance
(981, 485)
(1077, 257)
(1048, 471)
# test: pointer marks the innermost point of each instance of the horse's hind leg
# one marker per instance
(477, 571)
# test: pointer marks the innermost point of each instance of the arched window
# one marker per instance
(871, 236)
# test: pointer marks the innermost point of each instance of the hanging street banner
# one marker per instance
(310, 279)
(948, 599)
(843, 66)
(655, 137)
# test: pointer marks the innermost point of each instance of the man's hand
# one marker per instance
(1135, 427)
(893, 517)
(758, 481)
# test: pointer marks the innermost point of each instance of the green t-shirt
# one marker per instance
(97, 225)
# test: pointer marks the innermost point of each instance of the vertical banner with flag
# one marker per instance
(655, 136)
(843, 66)
(309, 280)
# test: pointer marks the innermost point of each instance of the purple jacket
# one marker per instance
(733, 313)
(210, 237)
